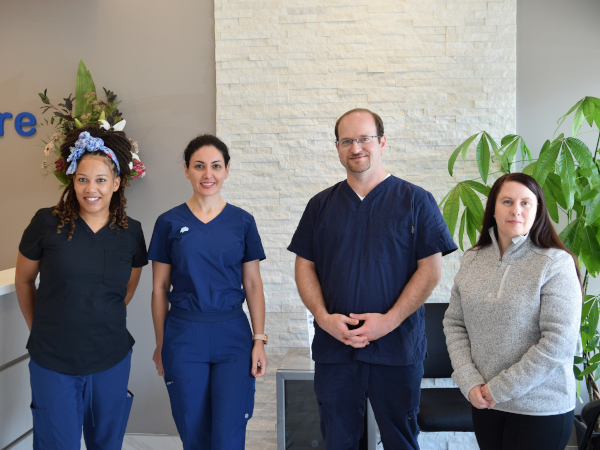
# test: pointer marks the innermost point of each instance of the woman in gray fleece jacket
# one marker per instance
(513, 321)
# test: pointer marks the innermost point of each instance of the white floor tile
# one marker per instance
(143, 442)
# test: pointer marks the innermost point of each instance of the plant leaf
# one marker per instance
(528, 169)
(84, 84)
(580, 151)
(545, 163)
(481, 188)
(492, 142)
(588, 302)
(597, 115)
(507, 139)
(550, 202)
(588, 110)
(61, 176)
(472, 202)
(553, 181)
(594, 359)
(509, 154)
(483, 157)
(525, 153)
(464, 146)
(452, 159)
(472, 226)
(567, 177)
(571, 236)
(593, 210)
(562, 119)
(461, 229)
(590, 250)
(577, 120)
(451, 207)
(593, 317)
(589, 370)
(587, 194)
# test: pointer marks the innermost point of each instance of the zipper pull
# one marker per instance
(412, 230)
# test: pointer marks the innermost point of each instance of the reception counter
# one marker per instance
(15, 394)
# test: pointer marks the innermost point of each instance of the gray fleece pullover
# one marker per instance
(513, 323)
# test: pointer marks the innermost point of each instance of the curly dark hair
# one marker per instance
(67, 208)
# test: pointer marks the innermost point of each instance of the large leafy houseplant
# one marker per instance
(569, 174)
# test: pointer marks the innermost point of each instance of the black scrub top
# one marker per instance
(365, 252)
(79, 319)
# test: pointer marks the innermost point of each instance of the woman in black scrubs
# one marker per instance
(89, 256)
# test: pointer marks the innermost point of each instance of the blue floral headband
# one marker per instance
(87, 143)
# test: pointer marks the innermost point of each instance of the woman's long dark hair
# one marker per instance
(542, 232)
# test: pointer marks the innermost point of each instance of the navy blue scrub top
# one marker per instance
(365, 252)
(206, 258)
(79, 318)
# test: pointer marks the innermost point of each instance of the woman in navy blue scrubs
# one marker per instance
(89, 256)
(208, 251)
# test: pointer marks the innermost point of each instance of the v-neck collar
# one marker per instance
(95, 236)
(373, 193)
(197, 223)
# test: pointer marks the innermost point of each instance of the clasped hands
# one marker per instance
(481, 398)
(375, 326)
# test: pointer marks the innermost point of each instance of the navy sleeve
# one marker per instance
(33, 236)
(159, 244)
(140, 258)
(253, 246)
(432, 233)
(302, 241)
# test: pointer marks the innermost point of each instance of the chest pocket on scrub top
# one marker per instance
(117, 268)
(393, 240)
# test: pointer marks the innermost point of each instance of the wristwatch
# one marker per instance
(260, 337)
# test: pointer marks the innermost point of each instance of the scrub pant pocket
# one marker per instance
(41, 423)
(247, 405)
(126, 413)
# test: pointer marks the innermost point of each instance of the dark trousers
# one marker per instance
(207, 373)
(63, 405)
(499, 430)
(342, 390)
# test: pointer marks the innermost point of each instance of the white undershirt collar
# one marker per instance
(362, 198)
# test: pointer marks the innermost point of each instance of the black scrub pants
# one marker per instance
(499, 430)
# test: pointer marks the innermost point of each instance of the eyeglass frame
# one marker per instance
(357, 143)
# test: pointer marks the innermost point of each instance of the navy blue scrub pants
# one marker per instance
(64, 404)
(342, 390)
(207, 372)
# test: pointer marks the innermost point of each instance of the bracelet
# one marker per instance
(260, 337)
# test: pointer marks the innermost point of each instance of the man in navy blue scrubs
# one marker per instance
(369, 253)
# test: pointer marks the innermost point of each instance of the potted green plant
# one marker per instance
(569, 174)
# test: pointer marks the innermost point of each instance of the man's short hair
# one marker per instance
(376, 118)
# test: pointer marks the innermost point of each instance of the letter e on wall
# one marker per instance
(20, 122)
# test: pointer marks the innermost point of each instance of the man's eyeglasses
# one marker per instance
(363, 140)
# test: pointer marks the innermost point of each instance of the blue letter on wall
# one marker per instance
(20, 123)
(3, 117)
